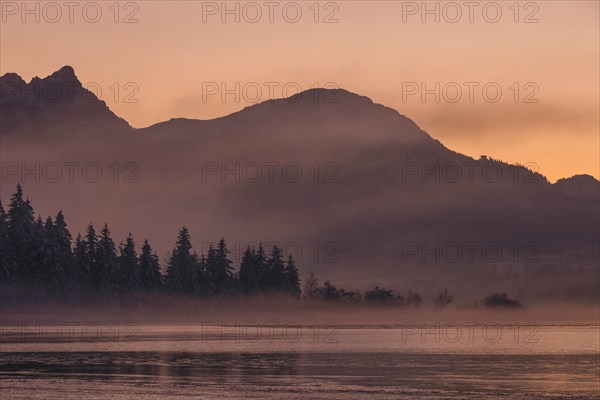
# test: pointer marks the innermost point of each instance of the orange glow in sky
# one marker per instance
(521, 86)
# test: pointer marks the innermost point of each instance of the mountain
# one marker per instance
(56, 103)
(359, 190)
(580, 187)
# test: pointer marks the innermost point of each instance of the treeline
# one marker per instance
(40, 254)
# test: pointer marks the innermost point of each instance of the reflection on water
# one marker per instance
(174, 363)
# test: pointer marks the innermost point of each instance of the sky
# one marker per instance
(518, 81)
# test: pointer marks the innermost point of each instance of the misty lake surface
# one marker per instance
(274, 361)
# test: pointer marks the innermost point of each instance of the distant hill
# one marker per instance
(580, 187)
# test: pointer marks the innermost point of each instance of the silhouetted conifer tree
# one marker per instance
(62, 239)
(20, 225)
(276, 275)
(248, 275)
(93, 254)
(128, 266)
(7, 256)
(202, 284)
(261, 268)
(81, 266)
(38, 256)
(182, 265)
(108, 265)
(150, 277)
(219, 269)
(292, 279)
(52, 272)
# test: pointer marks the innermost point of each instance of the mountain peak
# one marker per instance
(54, 103)
(328, 95)
(65, 74)
(11, 78)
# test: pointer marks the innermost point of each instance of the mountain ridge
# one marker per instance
(337, 103)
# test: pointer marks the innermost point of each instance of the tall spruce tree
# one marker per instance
(150, 276)
(210, 269)
(219, 269)
(7, 256)
(277, 278)
(108, 265)
(202, 284)
(292, 279)
(93, 254)
(53, 273)
(20, 225)
(248, 275)
(62, 238)
(182, 265)
(82, 267)
(128, 266)
(226, 272)
(38, 257)
(261, 269)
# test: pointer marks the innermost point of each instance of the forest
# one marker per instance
(40, 256)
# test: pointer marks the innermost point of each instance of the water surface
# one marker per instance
(270, 361)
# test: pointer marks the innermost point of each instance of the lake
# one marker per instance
(286, 361)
